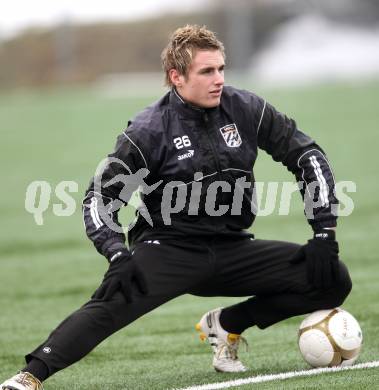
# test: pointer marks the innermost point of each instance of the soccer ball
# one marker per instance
(330, 338)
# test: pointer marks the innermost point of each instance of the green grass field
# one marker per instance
(50, 270)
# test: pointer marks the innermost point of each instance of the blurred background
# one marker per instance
(116, 44)
(71, 76)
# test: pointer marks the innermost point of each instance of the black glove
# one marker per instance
(321, 255)
(123, 270)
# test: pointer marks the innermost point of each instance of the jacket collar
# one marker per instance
(187, 110)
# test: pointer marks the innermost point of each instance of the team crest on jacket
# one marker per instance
(231, 135)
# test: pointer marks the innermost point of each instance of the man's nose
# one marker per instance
(219, 78)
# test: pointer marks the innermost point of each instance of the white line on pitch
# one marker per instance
(283, 375)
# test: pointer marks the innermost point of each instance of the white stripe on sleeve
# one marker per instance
(143, 157)
(260, 121)
(321, 179)
(95, 213)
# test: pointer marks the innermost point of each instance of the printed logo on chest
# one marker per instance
(231, 135)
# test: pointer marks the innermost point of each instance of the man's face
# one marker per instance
(205, 79)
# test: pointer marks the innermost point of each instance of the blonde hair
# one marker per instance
(182, 46)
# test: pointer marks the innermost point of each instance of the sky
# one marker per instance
(17, 15)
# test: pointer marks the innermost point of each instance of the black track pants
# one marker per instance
(240, 267)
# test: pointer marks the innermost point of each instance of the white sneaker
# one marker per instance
(22, 381)
(225, 345)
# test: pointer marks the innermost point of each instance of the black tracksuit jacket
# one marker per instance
(171, 140)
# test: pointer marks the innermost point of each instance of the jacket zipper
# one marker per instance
(211, 143)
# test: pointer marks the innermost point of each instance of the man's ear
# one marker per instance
(176, 78)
